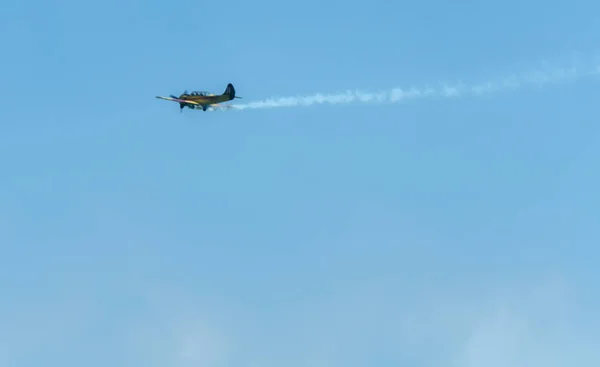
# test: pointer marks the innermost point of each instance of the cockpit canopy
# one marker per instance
(199, 93)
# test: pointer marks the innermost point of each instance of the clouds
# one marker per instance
(46, 330)
(529, 325)
(177, 330)
(179, 342)
(533, 324)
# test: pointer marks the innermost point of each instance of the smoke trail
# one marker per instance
(533, 78)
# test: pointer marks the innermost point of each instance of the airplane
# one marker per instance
(203, 100)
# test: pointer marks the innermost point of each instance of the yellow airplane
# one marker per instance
(203, 100)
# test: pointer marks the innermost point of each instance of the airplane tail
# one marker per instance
(230, 92)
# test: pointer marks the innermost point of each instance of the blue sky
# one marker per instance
(450, 232)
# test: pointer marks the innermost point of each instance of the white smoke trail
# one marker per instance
(540, 77)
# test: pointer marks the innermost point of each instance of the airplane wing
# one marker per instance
(177, 100)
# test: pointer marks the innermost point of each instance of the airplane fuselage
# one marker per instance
(203, 101)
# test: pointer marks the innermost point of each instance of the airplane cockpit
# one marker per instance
(199, 93)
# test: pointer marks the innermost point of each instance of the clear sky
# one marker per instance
(431, 233)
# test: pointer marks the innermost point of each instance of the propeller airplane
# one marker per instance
(197, 100)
